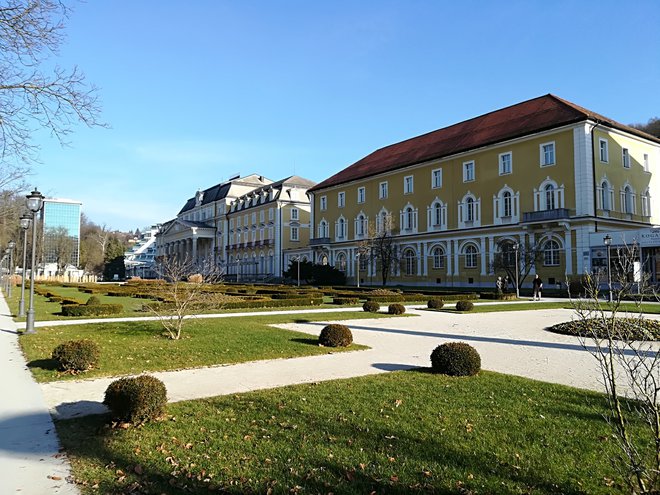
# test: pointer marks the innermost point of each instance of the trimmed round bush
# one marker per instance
(335, 335)
(137, 399)
(93, 301)
(464, 306)
(371, 307)
(435, 303)
(456, 359)
(396, 309)
(77, 355)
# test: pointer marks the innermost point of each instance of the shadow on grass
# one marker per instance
(44, 364)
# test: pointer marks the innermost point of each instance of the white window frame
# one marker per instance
(295, 234)
(295, 214)
(382, 190)
(469, 173)
(361, 195)
(625, 157)
(470, 259)
(438, 255)
(604, 150)
(408, 184)
(551, 256)
(436, 178)
(323, 203)
(646, 162)
(543, 155)
(505, 167)
(341, 199)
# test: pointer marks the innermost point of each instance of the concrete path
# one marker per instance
(509, 342)
(30, 462)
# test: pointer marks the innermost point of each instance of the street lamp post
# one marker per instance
(608, 242)
(516, 247)
(34, 204)
(26, 219)
(10, 246)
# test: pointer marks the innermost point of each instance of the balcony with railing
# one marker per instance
(319, 241)
(546, 215)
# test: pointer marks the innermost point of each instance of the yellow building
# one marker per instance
(532, 180)
(263, 224)
(241, 225)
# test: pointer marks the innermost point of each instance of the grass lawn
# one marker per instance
(398, 433)
(133, 347)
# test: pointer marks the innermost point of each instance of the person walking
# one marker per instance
(537, 284)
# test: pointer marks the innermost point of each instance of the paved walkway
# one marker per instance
(30, 462)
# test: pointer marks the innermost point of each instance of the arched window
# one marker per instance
(605, 196)
(323, 229)
(360, 225)
(646, 203)
(438, 257)
(628, 205)
(341, 228)
(469, 209)
(341, 262)
(437, 214)
(551, 253)
(550, 197)
(324, 260)
(409, 218)
(470, 256)
(410, 259)
(507, 204)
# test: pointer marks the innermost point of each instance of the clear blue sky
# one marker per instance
(197, 91)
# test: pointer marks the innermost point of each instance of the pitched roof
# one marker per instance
(532, 116)
(220, 191)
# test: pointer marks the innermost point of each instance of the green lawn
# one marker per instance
(133, 347)
(396, 433)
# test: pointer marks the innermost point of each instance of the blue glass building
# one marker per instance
(61, 231)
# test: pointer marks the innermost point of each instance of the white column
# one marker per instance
(482, 243)
(448, 254)
(422, 255)
(491, 252)
(568, 248)
(455, 258)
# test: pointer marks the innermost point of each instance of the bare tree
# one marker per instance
(629, 363)
(185, 283)
(505, 260)
(31, 32)
(380, 246)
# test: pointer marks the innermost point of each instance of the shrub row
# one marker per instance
(624, 328)
(501, 296)
(345, 300)
(91, 310)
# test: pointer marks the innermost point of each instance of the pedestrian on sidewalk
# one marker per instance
(537, 284)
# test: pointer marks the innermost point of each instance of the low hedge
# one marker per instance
(626, 328)
(345, 300)
(91, 310)
(501, 296)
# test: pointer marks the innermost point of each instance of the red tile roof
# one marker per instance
(532, 116)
